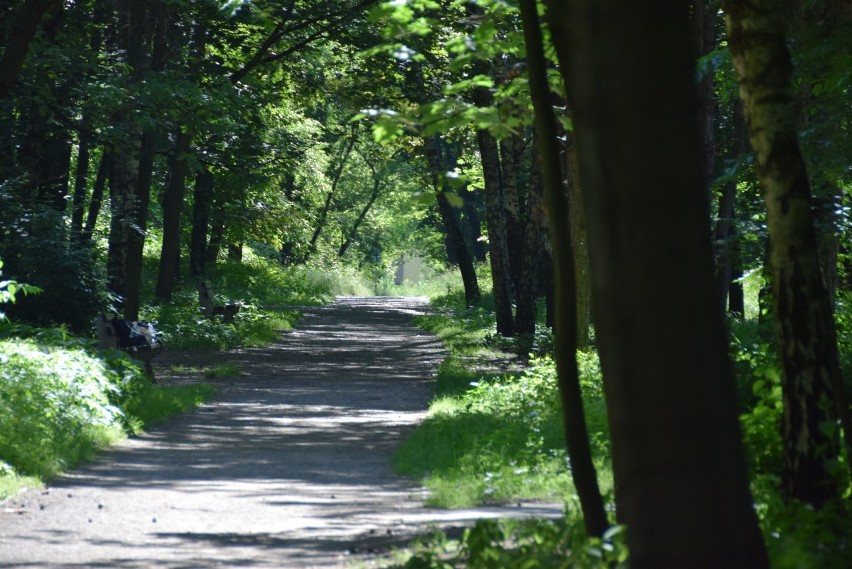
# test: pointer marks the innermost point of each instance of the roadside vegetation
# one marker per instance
(62, 398)
(494, 436)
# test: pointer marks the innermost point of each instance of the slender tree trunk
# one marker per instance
(78, 200)
(235, 252)
(455, 236)
(678, 460)
(565, 348)
(501, 274)
(139, 227)
(511, 155)
(202, 202)
(534, 235)
(353, 231)
(125, 173)
(812, 385)
(323, 215)
(124, 182)
(217, 235)
(172, 209)
(471, 222)
(104, 171)
(579, 241)
(169, 270)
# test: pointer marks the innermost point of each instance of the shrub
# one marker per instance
(56, 405)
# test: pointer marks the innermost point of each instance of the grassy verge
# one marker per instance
(493, 436)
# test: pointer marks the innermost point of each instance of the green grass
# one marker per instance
(155, 403)
(222, 371)
(492, 437)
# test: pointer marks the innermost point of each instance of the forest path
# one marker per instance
(288, 466)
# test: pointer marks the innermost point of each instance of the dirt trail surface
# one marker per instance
(289, 466)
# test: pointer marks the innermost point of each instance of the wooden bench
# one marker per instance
(110, 337)
(208, 306)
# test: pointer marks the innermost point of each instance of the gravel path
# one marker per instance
(289, 466)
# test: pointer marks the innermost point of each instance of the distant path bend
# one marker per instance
(289, 466)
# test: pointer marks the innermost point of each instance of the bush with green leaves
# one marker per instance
(57, 404)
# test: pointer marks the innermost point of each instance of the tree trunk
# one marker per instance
(78, 203)
(456, 240)
(104, 172)
(498, 246)
(139, 227)
(511, 155)
(323, 215)
(565, 343)
(172, 206)
(202, 202)
(124, 182)
(122, 194)
(235, 252)
(455, 236)
(677, 454)
(217, 235)
(803, 313)
(350, 235)
(579, 240)
(169, 270)
(534, 235)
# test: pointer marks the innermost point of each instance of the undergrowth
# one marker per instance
(61, 400)
(493, 435)
(497, 437)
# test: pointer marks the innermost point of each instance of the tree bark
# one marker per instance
(511, 156)
(104, 171)
(565, 343)
(678, 460)
(498, 246)
(150, 135)
(802, 308)
(449, 217)
(534, 235)
(172, 209)
(202, 202)
(169, 270)
(217, 234)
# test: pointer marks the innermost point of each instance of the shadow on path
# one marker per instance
(288, 467)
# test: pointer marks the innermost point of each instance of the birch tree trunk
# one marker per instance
(811, 384)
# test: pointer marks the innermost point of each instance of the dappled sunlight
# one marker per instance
(296, 447)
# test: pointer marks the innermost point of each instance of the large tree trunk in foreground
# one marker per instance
(679, 465)
(565, 342)
(812, 385)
